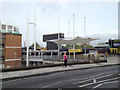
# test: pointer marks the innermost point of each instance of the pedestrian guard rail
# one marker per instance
(81, 57)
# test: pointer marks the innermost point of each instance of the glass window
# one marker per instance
(3, 26)
(14, 28)
(3, 66)
(9, 27)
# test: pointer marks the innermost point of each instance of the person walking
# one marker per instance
(65, 59)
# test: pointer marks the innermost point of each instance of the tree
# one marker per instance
(78, 46)
(87, 46)
(116, 41)
(37, 45)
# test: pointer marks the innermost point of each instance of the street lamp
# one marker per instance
(15, 58)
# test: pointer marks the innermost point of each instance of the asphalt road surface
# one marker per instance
(100, 77)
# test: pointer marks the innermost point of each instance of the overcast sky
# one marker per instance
(101, 18)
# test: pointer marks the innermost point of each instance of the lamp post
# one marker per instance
(15, 58)
(27, 56)
(69, 37)
(58, 39)
(74, 34)
(85, 31)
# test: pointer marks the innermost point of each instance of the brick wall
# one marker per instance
(13, 40)
(13, 64)
(13, 44)
(10, 53)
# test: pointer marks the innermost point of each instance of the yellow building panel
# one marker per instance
(76, 50)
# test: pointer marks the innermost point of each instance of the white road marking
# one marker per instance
(104, 83)
(103, 76)
(86, 85)
(54, 74)
(97, 75)
(110, 82)
(52, 84)
(89, 69)
(11, 81)
(82, 81)
(98, 85)
(94, 80)
(98, 82)
(43, 76)
(61, 82)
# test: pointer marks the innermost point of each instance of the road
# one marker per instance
(100, 77)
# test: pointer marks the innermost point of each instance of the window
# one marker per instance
(9, 27)
(3, 26)
(3, 66)
(14, 28)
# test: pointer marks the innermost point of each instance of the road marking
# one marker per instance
(94, 80)
(110, 82)
(108, 79)
(97, 75)
(86, 85)
(11, 81)
(104, 83)
(103, 76)
(52, 84)
(98, 82)
(61, 82)
(89, 69)
(82, 81)
(55, 74)
(98, 85)
(43, 76)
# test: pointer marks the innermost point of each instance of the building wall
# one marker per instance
(12, 64)
(10, 53)
(13, 50)
(51, 45)
(13, 40)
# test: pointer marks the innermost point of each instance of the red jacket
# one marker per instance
(65, 58)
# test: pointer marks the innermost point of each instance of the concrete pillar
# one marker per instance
(41, 55)
(51, 54)
(6, 27)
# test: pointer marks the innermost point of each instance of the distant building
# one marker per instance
(10, 46)
(51, 45)
(5, 28)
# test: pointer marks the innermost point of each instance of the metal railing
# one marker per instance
(82, 57)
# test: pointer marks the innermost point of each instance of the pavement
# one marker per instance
(112, 60)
